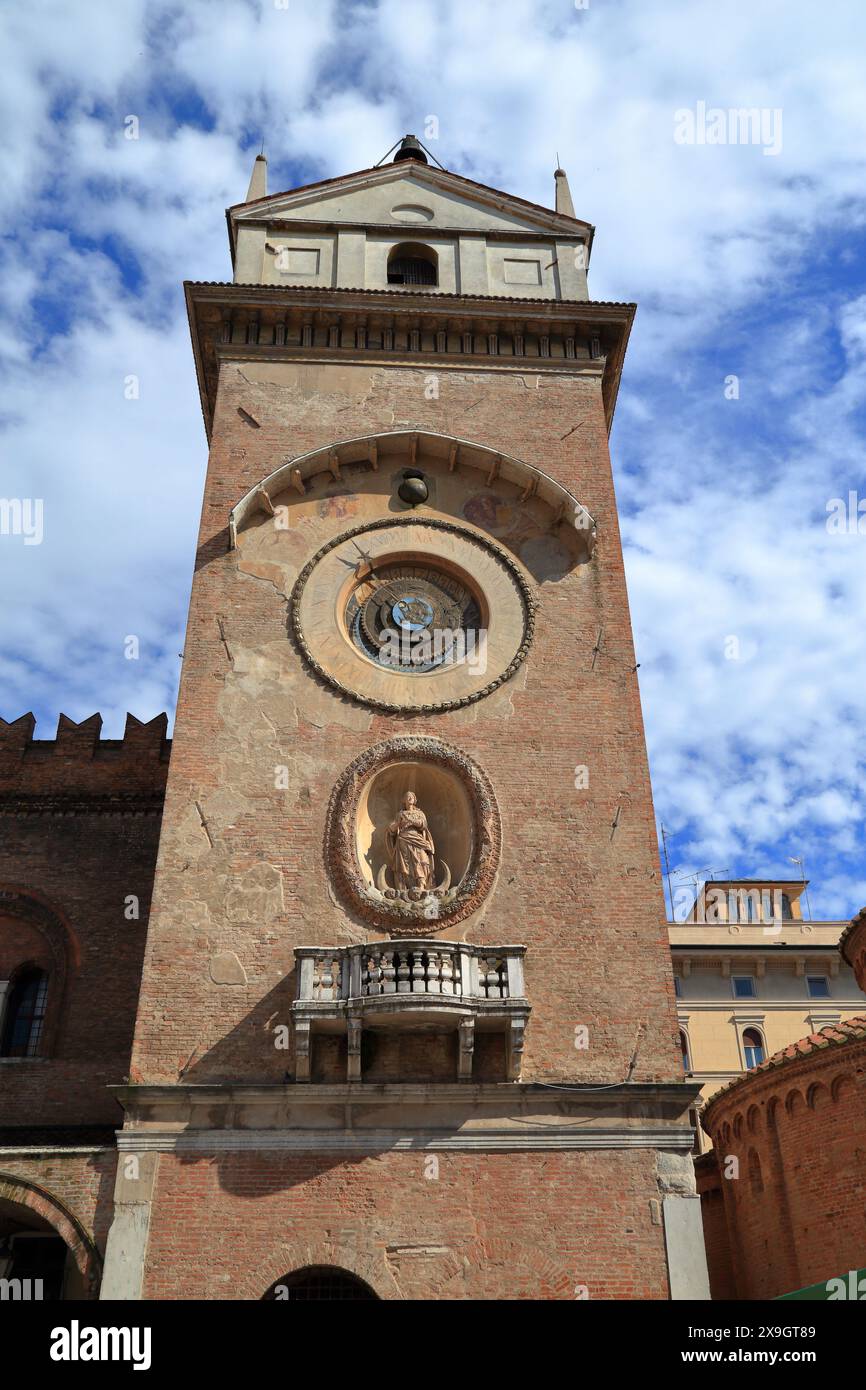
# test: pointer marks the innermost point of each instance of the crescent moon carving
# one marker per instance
(446, 878)
(381, 881)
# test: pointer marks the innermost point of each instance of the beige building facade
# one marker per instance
(753, 973)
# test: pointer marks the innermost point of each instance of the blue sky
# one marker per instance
(748, 611)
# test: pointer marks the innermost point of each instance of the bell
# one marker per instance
(410, 148)
(413, 490)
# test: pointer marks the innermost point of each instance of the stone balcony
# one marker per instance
(435, 985)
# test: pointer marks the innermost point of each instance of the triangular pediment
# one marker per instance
(410, 194)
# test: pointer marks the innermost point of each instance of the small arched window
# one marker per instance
(25, 1014)
(412, 264)
(684, 1049)
(753, 1047)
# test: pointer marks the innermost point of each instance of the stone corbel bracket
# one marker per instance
(419, 446)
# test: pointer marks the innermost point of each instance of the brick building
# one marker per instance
(406, 1023)
(784, 1189)
(79, 828)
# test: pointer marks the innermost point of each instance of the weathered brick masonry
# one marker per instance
(242, 870)
(795, 1207)
(79, 827)
(588, 901)
(528, 1226)
(71, 1189)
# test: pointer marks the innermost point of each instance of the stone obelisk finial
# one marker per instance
(258, 179)
(563, 193)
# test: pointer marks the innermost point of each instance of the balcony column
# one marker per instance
(514, 1046)
(302, 1049)
(306, 972)
(516, 987)
(354, 1031)
(469, 974)
(467, 1047)
(355, 965)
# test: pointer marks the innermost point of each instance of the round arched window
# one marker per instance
(412, 264)
(25, 1014)
(753, 1047)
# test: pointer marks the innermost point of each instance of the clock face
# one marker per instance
(412, 613)
(412, 618)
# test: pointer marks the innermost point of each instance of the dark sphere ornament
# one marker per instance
(413, 490)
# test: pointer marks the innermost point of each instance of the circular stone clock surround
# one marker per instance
(338, 642)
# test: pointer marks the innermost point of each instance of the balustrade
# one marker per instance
(450, 983)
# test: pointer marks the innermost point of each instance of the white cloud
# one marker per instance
(739, 261)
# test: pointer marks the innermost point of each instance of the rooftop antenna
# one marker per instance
(695, 878)
(802, 862)
(700, 873)
(664, 836)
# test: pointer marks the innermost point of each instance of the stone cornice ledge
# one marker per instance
(267, 322)
(375, 1118)
(52, 1150)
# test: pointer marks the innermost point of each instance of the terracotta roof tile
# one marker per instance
(834, 1035)
(849, 931)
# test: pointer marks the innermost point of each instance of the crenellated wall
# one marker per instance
(78, 762)
(79, 827)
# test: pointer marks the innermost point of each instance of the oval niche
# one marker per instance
(413, 835)
(412, 212)
(444, 802)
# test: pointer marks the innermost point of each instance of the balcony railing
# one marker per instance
(410, 983)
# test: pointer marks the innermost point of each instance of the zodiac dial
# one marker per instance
(412, 617)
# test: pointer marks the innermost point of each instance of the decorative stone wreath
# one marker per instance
(523, 595)
(431, 910)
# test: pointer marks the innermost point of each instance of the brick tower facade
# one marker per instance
(406, 1024)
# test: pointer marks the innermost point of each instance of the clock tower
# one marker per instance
(406, 1025)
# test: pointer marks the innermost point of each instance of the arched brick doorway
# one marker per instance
(40, 1239)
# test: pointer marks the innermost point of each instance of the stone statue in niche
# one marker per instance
(410, 847)
(411, 854)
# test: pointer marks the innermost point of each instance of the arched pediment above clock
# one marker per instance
(434, 457)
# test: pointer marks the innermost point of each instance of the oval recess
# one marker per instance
(412, 212)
